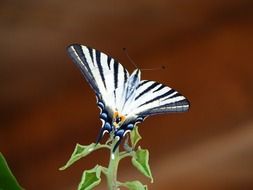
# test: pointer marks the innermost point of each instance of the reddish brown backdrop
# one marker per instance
(46, 107)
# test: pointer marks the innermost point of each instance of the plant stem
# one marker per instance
(112, 169)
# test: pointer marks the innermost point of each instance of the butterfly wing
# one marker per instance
(155, 98)
(106, 76)
(102, 72)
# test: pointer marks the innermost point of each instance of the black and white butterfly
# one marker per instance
(124, 99)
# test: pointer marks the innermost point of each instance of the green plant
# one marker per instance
(92, 177)
(7, 179)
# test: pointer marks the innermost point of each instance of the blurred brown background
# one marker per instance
(46, 107)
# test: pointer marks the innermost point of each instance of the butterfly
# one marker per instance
(124, 99)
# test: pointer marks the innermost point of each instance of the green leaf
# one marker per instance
(90, 178)
(140, 161)
(135, 136)
(80, 152)
(134, 185)
(7, 179)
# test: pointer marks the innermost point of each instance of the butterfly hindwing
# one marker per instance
(155, 98)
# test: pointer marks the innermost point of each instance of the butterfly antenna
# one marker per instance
(156, 68)
(129, 58)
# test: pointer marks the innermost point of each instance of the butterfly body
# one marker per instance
(123, 99)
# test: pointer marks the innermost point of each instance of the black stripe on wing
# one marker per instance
(116, 67)
(101, 72)
(178, 106)
(108, 62)
(151, 87)
(160, 87)
(125, 75)
(166, 94)
(77, 55)
(142, 83)
(91, 55)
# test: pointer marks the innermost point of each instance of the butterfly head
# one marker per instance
(118, 119)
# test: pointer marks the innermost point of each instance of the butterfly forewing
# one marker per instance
(103, 73)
